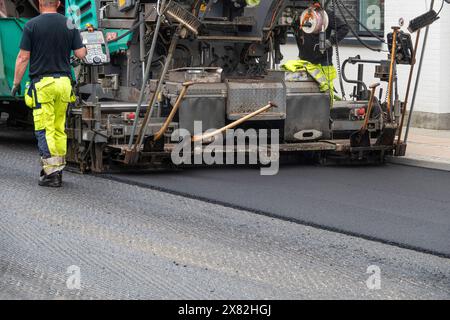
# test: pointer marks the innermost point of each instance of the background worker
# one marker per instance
(47, 42)
(243, 3)
(319, 64)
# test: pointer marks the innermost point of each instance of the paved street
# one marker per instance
(396, 204)
(131, 241)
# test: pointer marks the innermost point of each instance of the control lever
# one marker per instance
(323, 41)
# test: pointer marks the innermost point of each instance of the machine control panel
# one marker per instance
(97, 49)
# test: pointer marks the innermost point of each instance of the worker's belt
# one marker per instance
(31, 99)
(53, 75)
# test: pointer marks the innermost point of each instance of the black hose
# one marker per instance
(134, 27)
(356, 35)
(338, 58)
(360, 23)
(440, 10)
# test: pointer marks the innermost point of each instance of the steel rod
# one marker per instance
(146, 76)
(148, 114)
(392, 70)
(411, 74)
(142, 44)
(419, 72)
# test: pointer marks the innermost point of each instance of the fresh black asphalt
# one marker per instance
(406, 206)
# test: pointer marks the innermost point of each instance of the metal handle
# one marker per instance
(175, 108)
(373, 88)
(391, 71)
(234, 124)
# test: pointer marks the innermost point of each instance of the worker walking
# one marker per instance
(47, 42)
(319, 64)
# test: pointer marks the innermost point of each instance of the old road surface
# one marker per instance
(98, 237)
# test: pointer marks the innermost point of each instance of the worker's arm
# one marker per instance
(80, 53)
(77, 45)
(21, 66)
(22, 59)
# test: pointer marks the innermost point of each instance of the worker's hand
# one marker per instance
(74, 61)
(15, 90)
(328, 44)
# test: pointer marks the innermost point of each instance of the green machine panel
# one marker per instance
(10, 36)
(82, 12)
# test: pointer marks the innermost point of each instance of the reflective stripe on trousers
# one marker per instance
(52, 96)
(53, 164)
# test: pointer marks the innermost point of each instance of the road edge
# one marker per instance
(421, 163)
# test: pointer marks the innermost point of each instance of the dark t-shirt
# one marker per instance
(50, 40)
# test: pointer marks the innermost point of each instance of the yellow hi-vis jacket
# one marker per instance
(324, 75)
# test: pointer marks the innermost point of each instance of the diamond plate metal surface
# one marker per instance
(246, 97)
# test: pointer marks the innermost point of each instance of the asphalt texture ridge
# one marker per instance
(130, 242)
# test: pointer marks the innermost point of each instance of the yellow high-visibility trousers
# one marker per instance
(50, 98)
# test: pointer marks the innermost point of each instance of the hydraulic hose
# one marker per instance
(355, 34)
(359, 22)
(338, 57)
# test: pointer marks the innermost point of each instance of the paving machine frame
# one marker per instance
(171, 63)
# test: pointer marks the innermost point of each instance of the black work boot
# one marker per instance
(60, 177)
(53, 180)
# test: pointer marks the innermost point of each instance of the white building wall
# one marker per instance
(444, 57)
(434, 89)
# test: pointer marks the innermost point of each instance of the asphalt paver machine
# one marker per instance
(158, 68)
